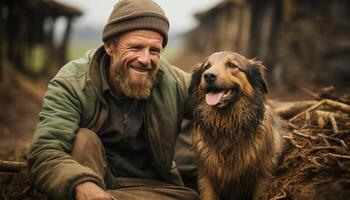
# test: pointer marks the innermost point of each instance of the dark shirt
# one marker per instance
(123, 136)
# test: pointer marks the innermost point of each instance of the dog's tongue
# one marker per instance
(213, 98)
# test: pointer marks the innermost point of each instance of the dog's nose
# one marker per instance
(210, 77)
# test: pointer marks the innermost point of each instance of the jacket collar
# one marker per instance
(104, 68)
(94, 72)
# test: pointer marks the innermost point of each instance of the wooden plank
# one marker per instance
(245, 28)
(12, 166)
(265, 30)
(2, 45)
(62, 54)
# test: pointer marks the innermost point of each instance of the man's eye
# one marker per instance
(135, 47)
(155, 50)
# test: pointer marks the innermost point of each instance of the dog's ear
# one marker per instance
(256, 75)
(196, 77)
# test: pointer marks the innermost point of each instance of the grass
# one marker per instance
(35, 58)
(78, 49)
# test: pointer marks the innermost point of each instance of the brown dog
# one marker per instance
(235, 135)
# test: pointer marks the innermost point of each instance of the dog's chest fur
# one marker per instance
(234, 152)
(229, 149)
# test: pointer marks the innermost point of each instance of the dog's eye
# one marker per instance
(206, 66)
(231, 65)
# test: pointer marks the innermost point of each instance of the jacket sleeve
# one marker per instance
(51, 167)
(188, 100)
(183, 79)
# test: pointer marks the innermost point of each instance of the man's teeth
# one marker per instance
(139, 69)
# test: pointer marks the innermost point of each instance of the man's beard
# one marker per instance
(134, 88)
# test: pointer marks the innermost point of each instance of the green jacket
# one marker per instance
(74, 100)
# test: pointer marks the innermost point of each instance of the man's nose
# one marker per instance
(144, 57)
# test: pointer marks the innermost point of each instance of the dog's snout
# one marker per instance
(210, 77)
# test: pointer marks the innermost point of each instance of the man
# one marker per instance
(110, 120)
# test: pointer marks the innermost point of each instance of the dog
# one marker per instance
(235, 136)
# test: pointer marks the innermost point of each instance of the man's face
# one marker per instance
(134, 62)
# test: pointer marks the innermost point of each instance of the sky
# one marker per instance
(179, 12)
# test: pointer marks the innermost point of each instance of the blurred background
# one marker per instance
(303, 43)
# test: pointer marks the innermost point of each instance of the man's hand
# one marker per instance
(89, 190)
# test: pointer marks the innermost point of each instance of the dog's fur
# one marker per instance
(237, 140)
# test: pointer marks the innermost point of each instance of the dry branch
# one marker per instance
(319, 148)
(303, 135)
(314, 95)
(314, 160)
(324, 116)
(290, 108)
(339, 156)
(335, 139)
(326, 93)
(12, 166)
(334, 123)
(308, 110)
(341, 106)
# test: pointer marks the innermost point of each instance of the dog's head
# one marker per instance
(226, 76)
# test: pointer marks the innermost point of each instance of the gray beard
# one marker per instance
(136, 89)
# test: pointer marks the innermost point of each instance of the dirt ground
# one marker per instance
(18, 118)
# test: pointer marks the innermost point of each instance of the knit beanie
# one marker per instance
(130, 15)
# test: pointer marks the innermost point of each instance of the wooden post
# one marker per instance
(245, 28)
(2, 43)
(50, 55)
(234, 27)
(65, 41)
(266, 22)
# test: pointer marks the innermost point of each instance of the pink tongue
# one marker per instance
(213, 98)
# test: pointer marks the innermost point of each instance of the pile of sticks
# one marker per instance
(316, 164)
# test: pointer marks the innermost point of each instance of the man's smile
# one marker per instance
(139, 70)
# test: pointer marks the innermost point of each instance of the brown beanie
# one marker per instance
(129, 15)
